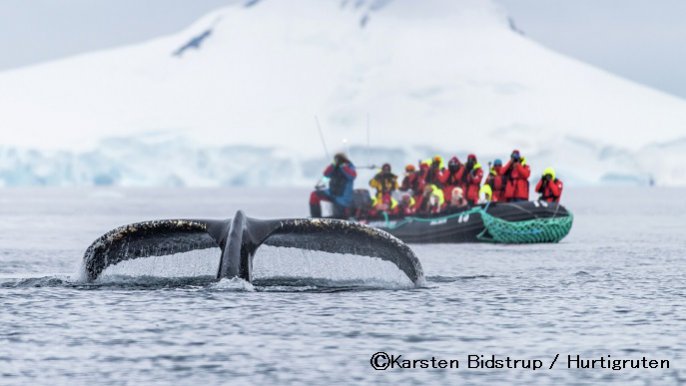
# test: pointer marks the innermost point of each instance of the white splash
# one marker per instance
(188, 264)
(235, 284)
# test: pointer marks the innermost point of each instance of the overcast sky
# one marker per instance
(641, 40)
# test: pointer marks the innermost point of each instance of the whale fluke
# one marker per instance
(239, 238)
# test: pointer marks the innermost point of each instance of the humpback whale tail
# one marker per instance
(239, 238)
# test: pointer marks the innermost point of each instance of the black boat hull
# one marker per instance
(467, 226)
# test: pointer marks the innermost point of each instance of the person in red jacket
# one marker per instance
(423, 171)
(407, 205)
(496, 180)
(412, 182)
(549, 187)
(453, 177)
(474, 176)
(517, 174)
(435, 172)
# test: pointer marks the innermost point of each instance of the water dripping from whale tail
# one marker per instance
(239, 238)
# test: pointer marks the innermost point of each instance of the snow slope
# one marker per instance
(231, 100)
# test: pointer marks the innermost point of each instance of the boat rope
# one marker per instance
(498, 230)
(538, 230)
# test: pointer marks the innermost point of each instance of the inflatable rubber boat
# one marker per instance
(511, 223)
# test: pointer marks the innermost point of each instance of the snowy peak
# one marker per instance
(446, 75)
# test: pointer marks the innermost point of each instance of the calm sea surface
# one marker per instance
(616, 286)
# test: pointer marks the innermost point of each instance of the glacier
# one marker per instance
(173, 160)
(231, 101)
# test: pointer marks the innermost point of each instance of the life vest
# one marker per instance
(411, 182)
(384, 183)
(433, 174)
(411, 207)
(474, 183)
(379, 199)
(425, 201)
(487, 192)
(456, 178)
(497, 183)
(551, 191)
(517, 177)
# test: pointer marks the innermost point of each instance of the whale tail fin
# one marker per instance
(151, 238)
(239, 239)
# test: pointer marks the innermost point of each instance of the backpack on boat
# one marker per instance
(361, 199)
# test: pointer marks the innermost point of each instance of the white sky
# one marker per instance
(641, 40)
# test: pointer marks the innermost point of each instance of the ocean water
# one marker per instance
(616, 286)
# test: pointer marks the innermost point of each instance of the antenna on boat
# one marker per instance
(369, 148)
(368, 163)
(321, 137)
(323, 181)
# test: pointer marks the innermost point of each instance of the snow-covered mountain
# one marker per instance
(232, 99)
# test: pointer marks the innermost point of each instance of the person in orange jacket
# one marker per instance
(549, 187)
(474, 176)
(497, 181)
(516, 173)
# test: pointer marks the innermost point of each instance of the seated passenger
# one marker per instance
(431, 200)
(384, 181)
(384, 204)
(457, 199)
(486, 194)
(341, 174)
(549, 187)
(407, 206)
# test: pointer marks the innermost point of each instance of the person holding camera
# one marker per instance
(454, 177)
(474, 176)
(412, 183)
(516, 174)
(549, 187)
(341, 174)
(496, 181)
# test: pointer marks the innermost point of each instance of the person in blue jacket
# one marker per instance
(341, 174)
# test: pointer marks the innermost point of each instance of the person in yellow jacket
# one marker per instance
(384, 203)
(385, 182)
(486, 194)
(432, 200)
